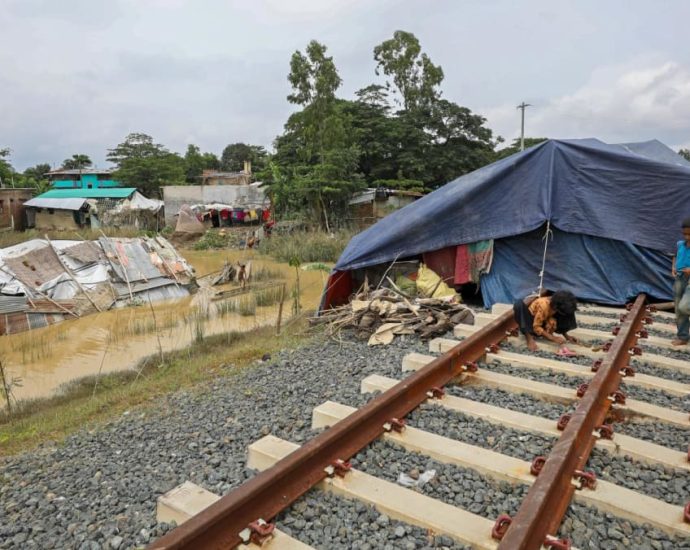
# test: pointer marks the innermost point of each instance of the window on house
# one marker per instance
(51, 211)
(2, 206)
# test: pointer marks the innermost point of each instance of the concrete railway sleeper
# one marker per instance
(288, 471)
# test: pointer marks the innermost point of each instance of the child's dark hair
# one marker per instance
(564, 302)
(685, 224)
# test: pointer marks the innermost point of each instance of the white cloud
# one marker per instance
(644, 99)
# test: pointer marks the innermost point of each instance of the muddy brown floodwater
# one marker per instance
(119, 339)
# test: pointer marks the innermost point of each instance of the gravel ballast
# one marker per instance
(98, 489)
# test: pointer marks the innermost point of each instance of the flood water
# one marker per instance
(119, 339)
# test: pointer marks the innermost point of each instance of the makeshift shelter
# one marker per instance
(43, 282)
(598, 219)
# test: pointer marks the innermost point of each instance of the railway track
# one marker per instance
(596, 408)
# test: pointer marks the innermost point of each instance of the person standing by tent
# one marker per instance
(681, 290)
(547, 317)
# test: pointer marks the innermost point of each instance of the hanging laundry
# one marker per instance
(472, 261)
(463, 271)
(481, 258)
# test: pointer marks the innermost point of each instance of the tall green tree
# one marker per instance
(415, 77)
(146, 165)
(685, 153)
(322, 156)
(514, 147)
(233, 157)
(6, 170)
(77, 162)
(196, 162)
(37, 177)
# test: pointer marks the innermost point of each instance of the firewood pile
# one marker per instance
(382, 314)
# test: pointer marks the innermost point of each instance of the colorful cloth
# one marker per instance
(463, 272)
(481, 257)
(472, 261)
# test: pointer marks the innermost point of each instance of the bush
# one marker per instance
(306, 247)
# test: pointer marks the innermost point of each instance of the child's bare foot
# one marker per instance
(678, 342)
(532, 345)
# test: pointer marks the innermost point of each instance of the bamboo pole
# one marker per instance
(40, 293)
(124, 267)
(71, 274)
(280, 309)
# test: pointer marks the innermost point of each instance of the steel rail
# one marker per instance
(271, 491)
(542, 510)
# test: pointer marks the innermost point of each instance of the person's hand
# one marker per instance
(557, 339)
(674, 273)
(686, 271)
(571, 339)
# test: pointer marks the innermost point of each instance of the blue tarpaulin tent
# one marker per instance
(615, 212)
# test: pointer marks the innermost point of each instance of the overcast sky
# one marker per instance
(76, 76)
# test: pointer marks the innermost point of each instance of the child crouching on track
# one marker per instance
(547, 317)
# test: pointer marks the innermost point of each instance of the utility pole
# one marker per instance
(522, 107)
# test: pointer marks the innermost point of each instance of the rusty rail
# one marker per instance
(547, 501)
(269, 492)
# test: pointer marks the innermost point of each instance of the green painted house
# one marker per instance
(86, 178)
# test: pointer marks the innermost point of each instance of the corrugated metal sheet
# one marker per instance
(122, 290)
(130, 256)
(56, 203)
(13, 304)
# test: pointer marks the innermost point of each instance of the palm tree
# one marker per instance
(77, 162)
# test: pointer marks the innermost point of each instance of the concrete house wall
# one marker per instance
(12, 213)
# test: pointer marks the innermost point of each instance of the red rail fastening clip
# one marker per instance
(642, 333)
(629, 306)
(339, 467)
(686, 513)
(648, 321)
(582, 389)
(596, 365)
(559, 544)
(501, 526)
(436, 393)
(627, 372)
(618, 397)
(615, 330)
(257, 532)
(635, 350)
(470, 366)
(512, 332)
(605, 431)
(537, 465)
(585, 479)
(563, 422)
(394, 424)
(492, 348)
(651, 309)
(623, 317)
(606, 346)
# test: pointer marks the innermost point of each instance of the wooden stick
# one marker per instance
(40, 293)
(71, 274)
(124, 267)
(280, 309)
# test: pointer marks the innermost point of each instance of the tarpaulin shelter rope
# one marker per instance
(548, 233)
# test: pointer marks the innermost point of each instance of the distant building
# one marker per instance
(371, 205)
(12, 213)
(87, 178)
(214, 177)
(64, 209)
